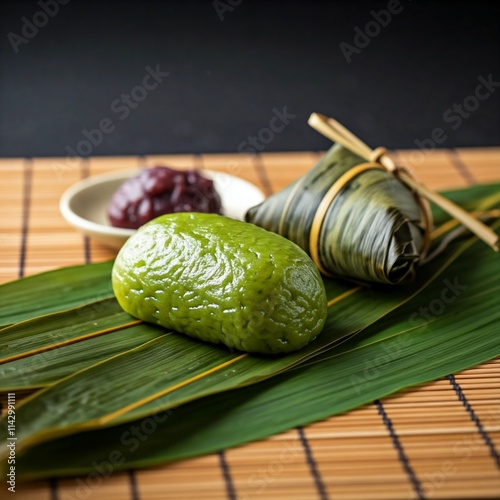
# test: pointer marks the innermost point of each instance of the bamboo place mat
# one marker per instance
(439, 440)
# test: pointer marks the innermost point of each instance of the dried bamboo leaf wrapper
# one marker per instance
(371, 231)
(379, 242)
(291, 211)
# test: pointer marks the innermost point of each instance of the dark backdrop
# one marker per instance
(228, 78)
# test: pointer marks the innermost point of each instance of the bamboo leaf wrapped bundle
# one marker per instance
(355, 219)
(357, 214)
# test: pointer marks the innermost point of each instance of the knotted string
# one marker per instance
(333, 130)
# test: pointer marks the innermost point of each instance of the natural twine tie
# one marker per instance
(379, 159)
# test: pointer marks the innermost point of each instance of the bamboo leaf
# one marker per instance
(476, 197)
(98, 396)
(46, 368)
(59, 329)
(386, 357)
(54, 291)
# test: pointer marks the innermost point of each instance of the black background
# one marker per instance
(226, 77)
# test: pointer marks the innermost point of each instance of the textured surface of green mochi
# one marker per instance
(221, 281)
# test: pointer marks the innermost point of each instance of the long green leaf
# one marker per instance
(58, 329)
(46, 368)
(386, 357)
(54, 291)
(470, 198)
(152, 388)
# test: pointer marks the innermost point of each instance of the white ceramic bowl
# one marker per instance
(84, 205)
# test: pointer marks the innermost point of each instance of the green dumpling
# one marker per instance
(221, 281)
